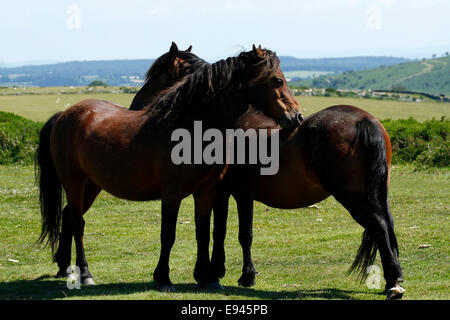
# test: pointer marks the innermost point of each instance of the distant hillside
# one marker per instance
(429, 76)
(131, 72)
(77, 73)
(338, 65)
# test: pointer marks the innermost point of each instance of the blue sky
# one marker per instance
(62, 30)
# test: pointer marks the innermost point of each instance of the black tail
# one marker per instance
(371, 140)
(50, 189)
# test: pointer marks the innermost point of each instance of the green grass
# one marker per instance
(385, 109)
(41, 107)
(298, 255)
(46, 101)
(305, 74)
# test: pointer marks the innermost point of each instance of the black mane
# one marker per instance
(211, 81)
(160, 64)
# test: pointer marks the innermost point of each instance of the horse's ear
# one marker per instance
(173, 49)
(189, 49)
(258, 51)
(259, 47)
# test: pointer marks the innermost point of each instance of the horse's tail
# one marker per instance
(50, 189)
(371, 141)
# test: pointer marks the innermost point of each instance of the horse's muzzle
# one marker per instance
(292, 120)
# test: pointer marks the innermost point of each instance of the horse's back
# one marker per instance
(101, 140)
(87, 106)
(331, 139)
(343, 120)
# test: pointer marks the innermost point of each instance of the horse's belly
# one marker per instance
(133, 193)
(125, 181)
(294, 186)
(292, 197)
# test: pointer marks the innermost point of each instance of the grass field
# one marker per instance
(41, 106)
(300, 254)
(305, 74)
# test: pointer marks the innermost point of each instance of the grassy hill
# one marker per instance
(337, 65)
(430, 76)
(130, 72)
(77, 73)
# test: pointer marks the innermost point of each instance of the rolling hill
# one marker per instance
(429, 76)
(77, 73)
(130, 72)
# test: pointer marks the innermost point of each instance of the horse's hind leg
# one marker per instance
(377, 221)
(64, 252)
(80, 195)
(382, 228)
(90, 192)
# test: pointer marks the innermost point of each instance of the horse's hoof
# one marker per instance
(62, 274)
(395, 293)
(88, 281)
(165, 288)
(213, 286)
(246, 282)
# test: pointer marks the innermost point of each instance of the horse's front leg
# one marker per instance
(63, 255)
(203, 272)
(245, 213)
(169, 214)
(220, 209)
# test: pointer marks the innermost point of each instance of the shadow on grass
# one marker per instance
(47, 288)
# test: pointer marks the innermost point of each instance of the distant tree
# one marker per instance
(434, 56)
(446, 53)
(330, 91)
(98, 83)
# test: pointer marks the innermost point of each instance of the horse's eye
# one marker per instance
(278, 81)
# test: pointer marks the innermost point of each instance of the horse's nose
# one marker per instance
(300, 117)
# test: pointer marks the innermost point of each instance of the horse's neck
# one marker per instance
(139, 99)
(225, 111)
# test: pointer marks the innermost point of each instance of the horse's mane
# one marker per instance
(160, 64)
(211, 81)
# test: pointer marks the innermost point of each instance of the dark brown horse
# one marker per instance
(96, 145)
(164, 72)
(340, 151)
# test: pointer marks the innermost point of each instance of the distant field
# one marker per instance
(382, 109)
(305, 74)
(41, 106)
